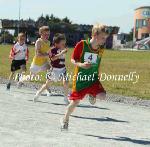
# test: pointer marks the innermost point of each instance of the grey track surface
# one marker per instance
(107, 124)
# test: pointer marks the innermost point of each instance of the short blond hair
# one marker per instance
(43, 29)
(21, 35)
(98, 28)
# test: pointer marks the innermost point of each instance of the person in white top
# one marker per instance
(19, 55)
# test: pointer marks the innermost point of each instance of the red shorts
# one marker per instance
(93, 90)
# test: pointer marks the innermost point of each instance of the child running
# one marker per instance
(40, 61)
(19, 55)
(86, 58)
(42, 46)
(58, 70)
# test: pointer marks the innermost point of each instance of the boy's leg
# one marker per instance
(10, 79)
(44, 87)
(101, 96)
(32, 76)
(22, 77)
(11, 76)
(13, 69)
(66, 90)
(23, 68)
(92, 99)
(65, 85)
(70, 109)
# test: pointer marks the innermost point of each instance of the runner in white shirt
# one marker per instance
(19, 55)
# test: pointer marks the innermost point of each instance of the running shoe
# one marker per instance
(8, 86)
(92, 99)
(35, 99)
(20, 84)
(64, 125)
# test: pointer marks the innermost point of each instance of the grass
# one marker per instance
(113, 63)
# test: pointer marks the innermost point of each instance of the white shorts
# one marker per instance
(57, 74)
(35, 69)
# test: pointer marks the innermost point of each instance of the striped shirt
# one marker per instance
(60, 62)
(19, 52)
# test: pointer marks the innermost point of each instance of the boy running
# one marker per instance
(40, 61)
(58, 69)
(42, 46)
(19, 55)
(86, 58)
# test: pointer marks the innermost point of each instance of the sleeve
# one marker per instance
(27, 54)
(77, 51)
(12, 53)
(52, 53)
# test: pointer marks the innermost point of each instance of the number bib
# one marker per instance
(90, 57)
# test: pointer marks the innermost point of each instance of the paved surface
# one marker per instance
(27, 124)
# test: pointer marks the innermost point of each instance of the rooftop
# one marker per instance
(143, 7)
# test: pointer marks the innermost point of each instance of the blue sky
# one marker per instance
(112, 12)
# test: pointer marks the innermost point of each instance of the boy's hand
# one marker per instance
(64, 51)
(17, 52)
(85, 65)
(26, 60)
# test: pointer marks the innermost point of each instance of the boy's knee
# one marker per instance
(23, 68)
(47, 82)
(73, 104)
(101, 96)
(13, 72)
(46, 85)
(76, 102)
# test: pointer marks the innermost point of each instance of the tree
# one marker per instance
(47, 18)
(41, 21)
(51, 17)
(6, 37)
(130, 37)
(66, 20)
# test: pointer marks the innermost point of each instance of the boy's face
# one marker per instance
(61, 44)
(101, 38)
(21, 40)
(45, 34)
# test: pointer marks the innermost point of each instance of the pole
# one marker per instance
(19, 16)
(4, 37)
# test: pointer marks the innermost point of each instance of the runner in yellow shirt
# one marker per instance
(42, 48)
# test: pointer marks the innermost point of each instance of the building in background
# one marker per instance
(120, 40)
(73, 32)
(141, 23)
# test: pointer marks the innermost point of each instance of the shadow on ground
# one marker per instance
(127, 139)
(104, 119)
(80, 106)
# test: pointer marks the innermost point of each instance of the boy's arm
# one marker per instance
(12, 53)
(27, 54)
(53, 58)
(84, 65)
(76, 56)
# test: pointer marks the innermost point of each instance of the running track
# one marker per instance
(27, 124)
